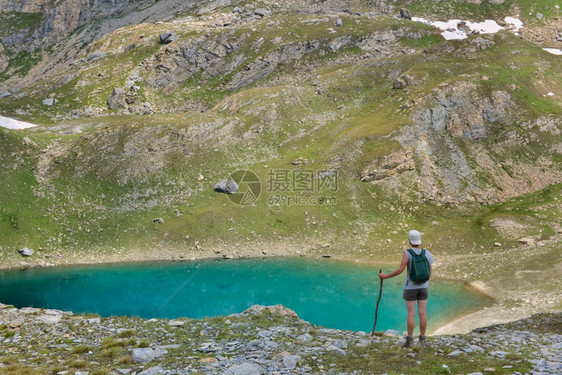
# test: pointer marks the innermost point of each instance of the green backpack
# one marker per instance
(420, 271)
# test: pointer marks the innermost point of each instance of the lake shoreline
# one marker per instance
(457, 324)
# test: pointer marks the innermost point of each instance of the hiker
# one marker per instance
(414, 291)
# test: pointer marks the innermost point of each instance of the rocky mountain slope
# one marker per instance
(143, 106)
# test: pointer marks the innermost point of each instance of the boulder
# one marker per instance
(49, 101)
(405, 13)
(339, 22)
(404, 81)
(290, 361)
(305, 337)
(117, 99)
(143, 355)
(226, 186)
(25, 252)
(334, 349)
(168, 37)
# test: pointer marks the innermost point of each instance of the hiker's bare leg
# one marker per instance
(411, 307)
(422, 304)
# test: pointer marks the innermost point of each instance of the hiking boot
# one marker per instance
(408, 343)
(422, 340)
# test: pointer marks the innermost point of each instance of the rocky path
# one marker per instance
(261, 340)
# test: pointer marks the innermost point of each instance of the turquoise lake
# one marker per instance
(323, 291)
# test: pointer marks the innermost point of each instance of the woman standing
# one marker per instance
(415, 288)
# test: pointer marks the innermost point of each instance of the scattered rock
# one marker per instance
(176, 323)
(143, 355)
(334, 349)
(305, 338)
(300, 161)
(526, 241)
(49, 102)
(208, 360)
(455, 353)
(168, 37)
(158, 220)
(25, 252)
(497, 244)
(392, 332)
(244, 369)
(339, 22)
(152, 371)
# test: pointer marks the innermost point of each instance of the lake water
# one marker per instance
(324, 292)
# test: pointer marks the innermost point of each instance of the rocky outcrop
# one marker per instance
(58, 19)
(442, 158)
(390, 166)
(463, 112)
(221, 55)
(264, 66)
(178, 62)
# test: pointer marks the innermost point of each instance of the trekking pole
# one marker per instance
(376, 313)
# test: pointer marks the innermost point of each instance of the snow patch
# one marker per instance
(451, 31)
(515, 23)
(10, 123)
(554, 51)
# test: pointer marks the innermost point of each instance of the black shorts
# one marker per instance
(415, 294)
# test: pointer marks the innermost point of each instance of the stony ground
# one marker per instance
(261, 340)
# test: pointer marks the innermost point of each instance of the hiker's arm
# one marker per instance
(398, 271)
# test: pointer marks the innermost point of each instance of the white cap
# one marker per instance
(415, 237)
